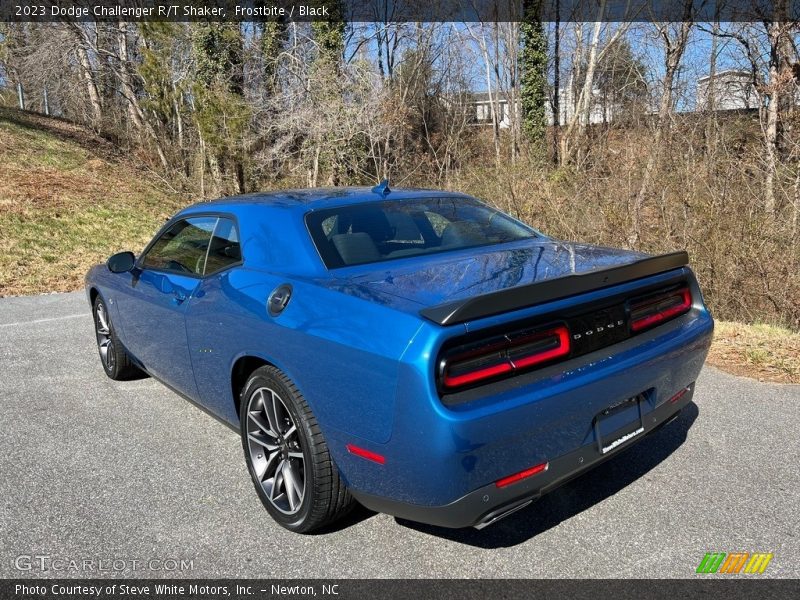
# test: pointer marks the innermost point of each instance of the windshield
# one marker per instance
(375, 232)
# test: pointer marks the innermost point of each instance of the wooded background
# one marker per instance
(224, 108)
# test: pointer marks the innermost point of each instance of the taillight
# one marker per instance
(503, 355)
(679, 395)
(654, 310)
(506, 481)
(364, 453)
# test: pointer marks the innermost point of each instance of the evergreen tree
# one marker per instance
(218, 52)
(327, 90)
(222, 113)
(329, 35)
(533, 77)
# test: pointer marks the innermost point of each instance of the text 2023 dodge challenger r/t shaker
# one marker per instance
(416, 351)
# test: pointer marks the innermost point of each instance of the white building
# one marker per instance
(601, 112)
(732, 90)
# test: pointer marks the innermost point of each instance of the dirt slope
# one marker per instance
(68, 199)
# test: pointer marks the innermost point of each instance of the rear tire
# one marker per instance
(113, 356)
(286, 455)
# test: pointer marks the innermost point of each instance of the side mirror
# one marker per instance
(121, 262)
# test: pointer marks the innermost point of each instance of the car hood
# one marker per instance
(415, 283)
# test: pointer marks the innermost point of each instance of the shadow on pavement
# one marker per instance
(577, 495)
(354, 517)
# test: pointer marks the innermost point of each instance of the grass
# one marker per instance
(68, 200)
(763, 352)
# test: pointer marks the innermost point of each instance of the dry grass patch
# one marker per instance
(763, 352)
(68, 201)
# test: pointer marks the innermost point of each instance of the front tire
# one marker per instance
(116, 362)
(286, 455)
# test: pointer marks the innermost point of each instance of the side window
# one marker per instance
(437, 221)
(182, 248)
(224, 250)
(329, 226)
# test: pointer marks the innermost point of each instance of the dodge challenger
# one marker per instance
(416, 351)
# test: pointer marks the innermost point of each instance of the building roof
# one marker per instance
(486, 97)
(727, 73)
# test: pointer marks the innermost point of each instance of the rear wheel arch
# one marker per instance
(93, 294)
(240, 373)
(243, 367)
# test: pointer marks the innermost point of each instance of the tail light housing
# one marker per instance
(503, 355)
(654, 310)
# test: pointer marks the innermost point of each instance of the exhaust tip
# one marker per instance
(494, 517)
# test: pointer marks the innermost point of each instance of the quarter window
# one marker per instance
(224, 250)
(183, 247)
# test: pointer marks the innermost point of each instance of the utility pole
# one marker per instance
(21, 96)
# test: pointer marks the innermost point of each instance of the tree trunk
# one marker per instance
(125, 78)
(91, 88)
(780, 46)
(179, 125)
(711, 97)
(771, 138)
(216, 174)
(556, 83)
(481, 41)
(587, 97)
(674, 52)
(128, 92)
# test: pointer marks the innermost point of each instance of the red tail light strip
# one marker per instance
(653, 311)
(679, 395)
(364, 453)
(506, 481)
(562, 333)
(513, 354)
(473, 376)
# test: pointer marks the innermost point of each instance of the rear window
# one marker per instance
(379, 231)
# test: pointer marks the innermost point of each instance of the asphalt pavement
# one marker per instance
(126, 478)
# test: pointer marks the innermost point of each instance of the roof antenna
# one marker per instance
(382, 188)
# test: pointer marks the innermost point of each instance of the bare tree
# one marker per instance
(674, 38)
(585, 101)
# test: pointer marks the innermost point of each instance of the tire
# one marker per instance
(113, 356)
(279, 460)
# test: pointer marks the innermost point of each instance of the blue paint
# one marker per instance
(353, 342)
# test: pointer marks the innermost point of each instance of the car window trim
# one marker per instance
(218, 215)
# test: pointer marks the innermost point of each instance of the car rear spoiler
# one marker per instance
(494, 303)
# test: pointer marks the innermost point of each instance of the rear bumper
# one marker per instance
(488, 504)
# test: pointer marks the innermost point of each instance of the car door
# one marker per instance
(152, 311)
(214, 315)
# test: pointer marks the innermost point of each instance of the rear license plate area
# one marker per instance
(618, 423)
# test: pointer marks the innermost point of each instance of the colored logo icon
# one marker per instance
(734, 562)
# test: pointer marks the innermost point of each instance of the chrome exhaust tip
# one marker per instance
(495, 516)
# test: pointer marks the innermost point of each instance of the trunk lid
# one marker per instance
(424, 281)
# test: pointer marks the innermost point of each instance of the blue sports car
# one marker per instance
(416, 351)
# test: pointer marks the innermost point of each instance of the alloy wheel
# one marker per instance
(275, 451)
(104, 341)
